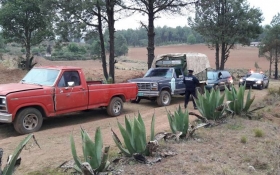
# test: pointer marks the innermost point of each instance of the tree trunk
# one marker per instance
(101, 38)
(276, 63)
(217, 56)
(111, 22)
(270, 63)
(223, 56)
(27, 55)
(151, 38)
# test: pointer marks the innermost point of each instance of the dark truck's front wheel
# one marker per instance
(28, 120)
(164, 98)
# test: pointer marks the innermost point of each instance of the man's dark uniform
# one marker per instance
(190, 84)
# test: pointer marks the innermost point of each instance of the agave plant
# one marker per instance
(134, 136)
(238, 104)
(13, 160)
(208, 102)
(94, 159)
(179, 122)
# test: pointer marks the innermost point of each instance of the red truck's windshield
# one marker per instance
(46, 77)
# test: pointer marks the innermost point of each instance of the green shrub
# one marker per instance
(179, 122)
(73, 47)
(22, 50)
(208, 102)
(134, 136)
(243, 139)
(92, 152)
(258, 133)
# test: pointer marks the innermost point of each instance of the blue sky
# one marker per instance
(269, 8)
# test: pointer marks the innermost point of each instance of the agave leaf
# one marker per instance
(140, 138)
(248, 104)
(142, 127)
(9, 169)
(207, 109)
(171, 122)
(89, 147)
(230, 97)
(130, 130)
(126, 139)
(104, 161)
(128, 126)
(152, 137)
(186, 123)
(249, 101)
(74, 154)
(119, 144)
(178, 121)
(198, 105)
(98, 146)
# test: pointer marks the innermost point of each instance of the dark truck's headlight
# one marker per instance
(154, 86)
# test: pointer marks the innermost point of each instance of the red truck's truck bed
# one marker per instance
(52, 91)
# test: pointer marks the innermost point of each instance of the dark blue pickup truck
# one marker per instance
(166, 78)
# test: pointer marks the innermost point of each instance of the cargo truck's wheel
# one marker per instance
(164, 98)
(115, 107)
(28, 120)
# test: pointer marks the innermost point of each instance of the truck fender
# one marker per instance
(39, 106)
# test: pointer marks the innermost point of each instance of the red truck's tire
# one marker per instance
(115, 107)
(28, 120)
(164, 98)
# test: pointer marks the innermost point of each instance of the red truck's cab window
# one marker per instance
(69, 76)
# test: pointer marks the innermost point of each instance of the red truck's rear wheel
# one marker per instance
(115, 107)
(28, 120)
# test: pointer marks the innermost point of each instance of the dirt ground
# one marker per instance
(54, 136)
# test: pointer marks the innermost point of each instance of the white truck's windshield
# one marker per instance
(167, 73)
(39, 76)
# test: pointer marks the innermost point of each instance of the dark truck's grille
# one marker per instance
(250, 83)
(144, 86)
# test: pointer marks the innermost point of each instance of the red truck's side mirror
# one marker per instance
(71, 84)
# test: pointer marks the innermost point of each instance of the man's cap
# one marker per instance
(190, 70)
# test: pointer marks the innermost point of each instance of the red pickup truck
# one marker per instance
(55, 90)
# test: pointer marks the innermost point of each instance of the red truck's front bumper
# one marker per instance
(6, 118)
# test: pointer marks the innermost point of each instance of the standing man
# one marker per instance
(190, 82)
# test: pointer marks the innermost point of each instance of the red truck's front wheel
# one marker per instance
(115, 107)
(28, 120)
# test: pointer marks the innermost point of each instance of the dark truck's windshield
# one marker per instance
(212, 75)
(159, 73)
(258, 76)
(38, 76)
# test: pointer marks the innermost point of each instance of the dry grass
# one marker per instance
(219, 151)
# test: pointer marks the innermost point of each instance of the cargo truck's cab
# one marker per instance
(165, 79)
